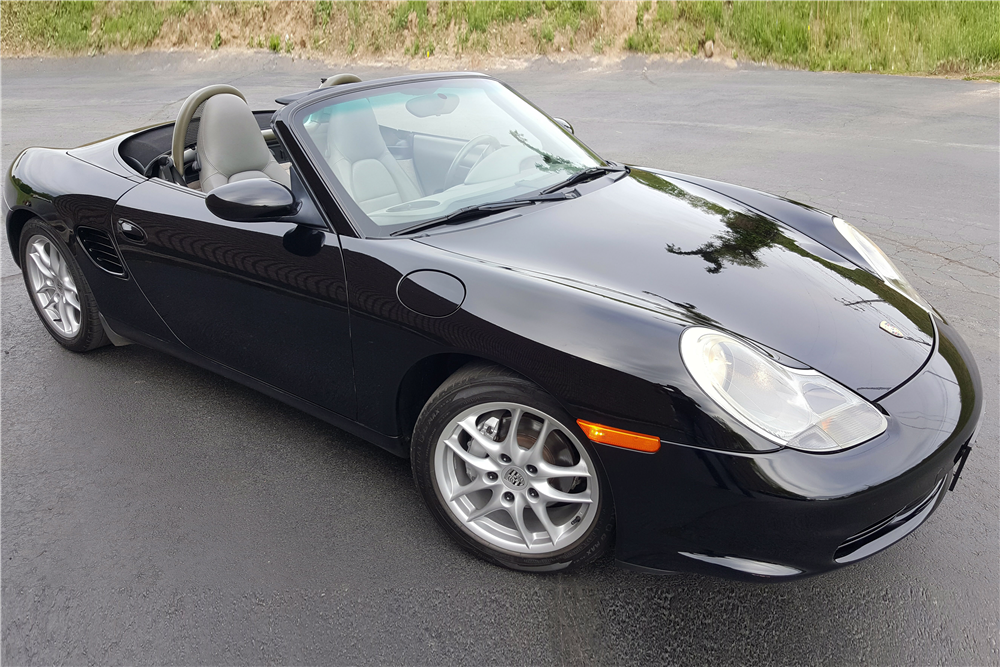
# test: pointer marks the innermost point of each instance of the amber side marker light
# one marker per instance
(619, 438)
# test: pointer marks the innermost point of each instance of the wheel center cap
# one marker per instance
(514, 478)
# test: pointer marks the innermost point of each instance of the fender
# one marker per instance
(66, 193)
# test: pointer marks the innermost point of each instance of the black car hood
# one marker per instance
(690, 251)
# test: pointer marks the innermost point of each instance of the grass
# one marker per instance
(870, 36)
(70, 26)
(856, 35)
(481, 16)
(921, 36)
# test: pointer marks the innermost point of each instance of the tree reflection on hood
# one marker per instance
(746, 235)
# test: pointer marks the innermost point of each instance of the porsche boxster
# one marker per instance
(573, 353)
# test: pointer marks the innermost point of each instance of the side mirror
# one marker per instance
(252, 200)
(303, 240)
(565, 125)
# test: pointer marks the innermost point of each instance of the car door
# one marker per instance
(235, 293)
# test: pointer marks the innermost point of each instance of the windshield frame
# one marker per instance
(294, 114)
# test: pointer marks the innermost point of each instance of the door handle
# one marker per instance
(131, 231)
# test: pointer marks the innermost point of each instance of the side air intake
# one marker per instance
(101, 250)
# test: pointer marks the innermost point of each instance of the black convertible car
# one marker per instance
(571, 352)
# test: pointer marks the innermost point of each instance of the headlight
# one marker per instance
(802, 409)
(877, 259)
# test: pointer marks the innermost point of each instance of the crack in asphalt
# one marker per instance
(944, 258)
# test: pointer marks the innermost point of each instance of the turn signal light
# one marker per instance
(619, 438)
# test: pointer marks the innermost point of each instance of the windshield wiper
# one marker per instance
(485, 210)
(586, 175)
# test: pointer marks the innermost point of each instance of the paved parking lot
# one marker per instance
(155, 513)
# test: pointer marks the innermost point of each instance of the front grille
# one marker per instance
(101, 249)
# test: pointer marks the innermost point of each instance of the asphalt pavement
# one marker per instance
(154, 513)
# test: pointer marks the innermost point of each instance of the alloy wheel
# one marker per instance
(52, 286)
(516, 477)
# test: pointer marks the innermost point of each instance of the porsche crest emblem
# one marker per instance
(514, 478)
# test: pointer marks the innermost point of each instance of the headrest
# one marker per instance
(338, 79)
(229, 137)
(354, 131)
(188, 110)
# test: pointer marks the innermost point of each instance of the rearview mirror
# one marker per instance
(436, 104)
(252, 200)
(564, 124)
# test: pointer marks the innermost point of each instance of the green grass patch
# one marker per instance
(868, 36)
(855, 35)
(49, 26)
(321, 12)
(481, 16)
(472, 20)
(644, 39)
(73, 27)
(134, 24)
(571, 14)
(930, 36)
(401, 17)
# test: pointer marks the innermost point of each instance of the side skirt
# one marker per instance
(389, 443)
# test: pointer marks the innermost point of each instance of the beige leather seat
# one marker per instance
(362, 162)
(230, 146)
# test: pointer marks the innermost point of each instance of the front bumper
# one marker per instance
(786, 513)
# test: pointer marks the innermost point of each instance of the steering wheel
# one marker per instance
(487, 140)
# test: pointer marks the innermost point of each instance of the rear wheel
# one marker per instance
(506, 472)
(58, 290)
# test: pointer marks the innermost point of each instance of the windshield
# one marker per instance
(401, 155)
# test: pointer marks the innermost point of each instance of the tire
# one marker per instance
(58, 291)
(479, 463)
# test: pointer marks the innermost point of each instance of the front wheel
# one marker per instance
(504, 470)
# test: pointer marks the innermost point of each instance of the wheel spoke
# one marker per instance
(551, 494)
(72, 299)
(39, 260)
(72, 317)
(534, 454)
(493, 505)
(47, 291)
(517, 514)
(510, 442)
(469, 426)
(541, 511)
(54, 261)
(478, 484)
(480, 464)
(548, 471)
(63, 321)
